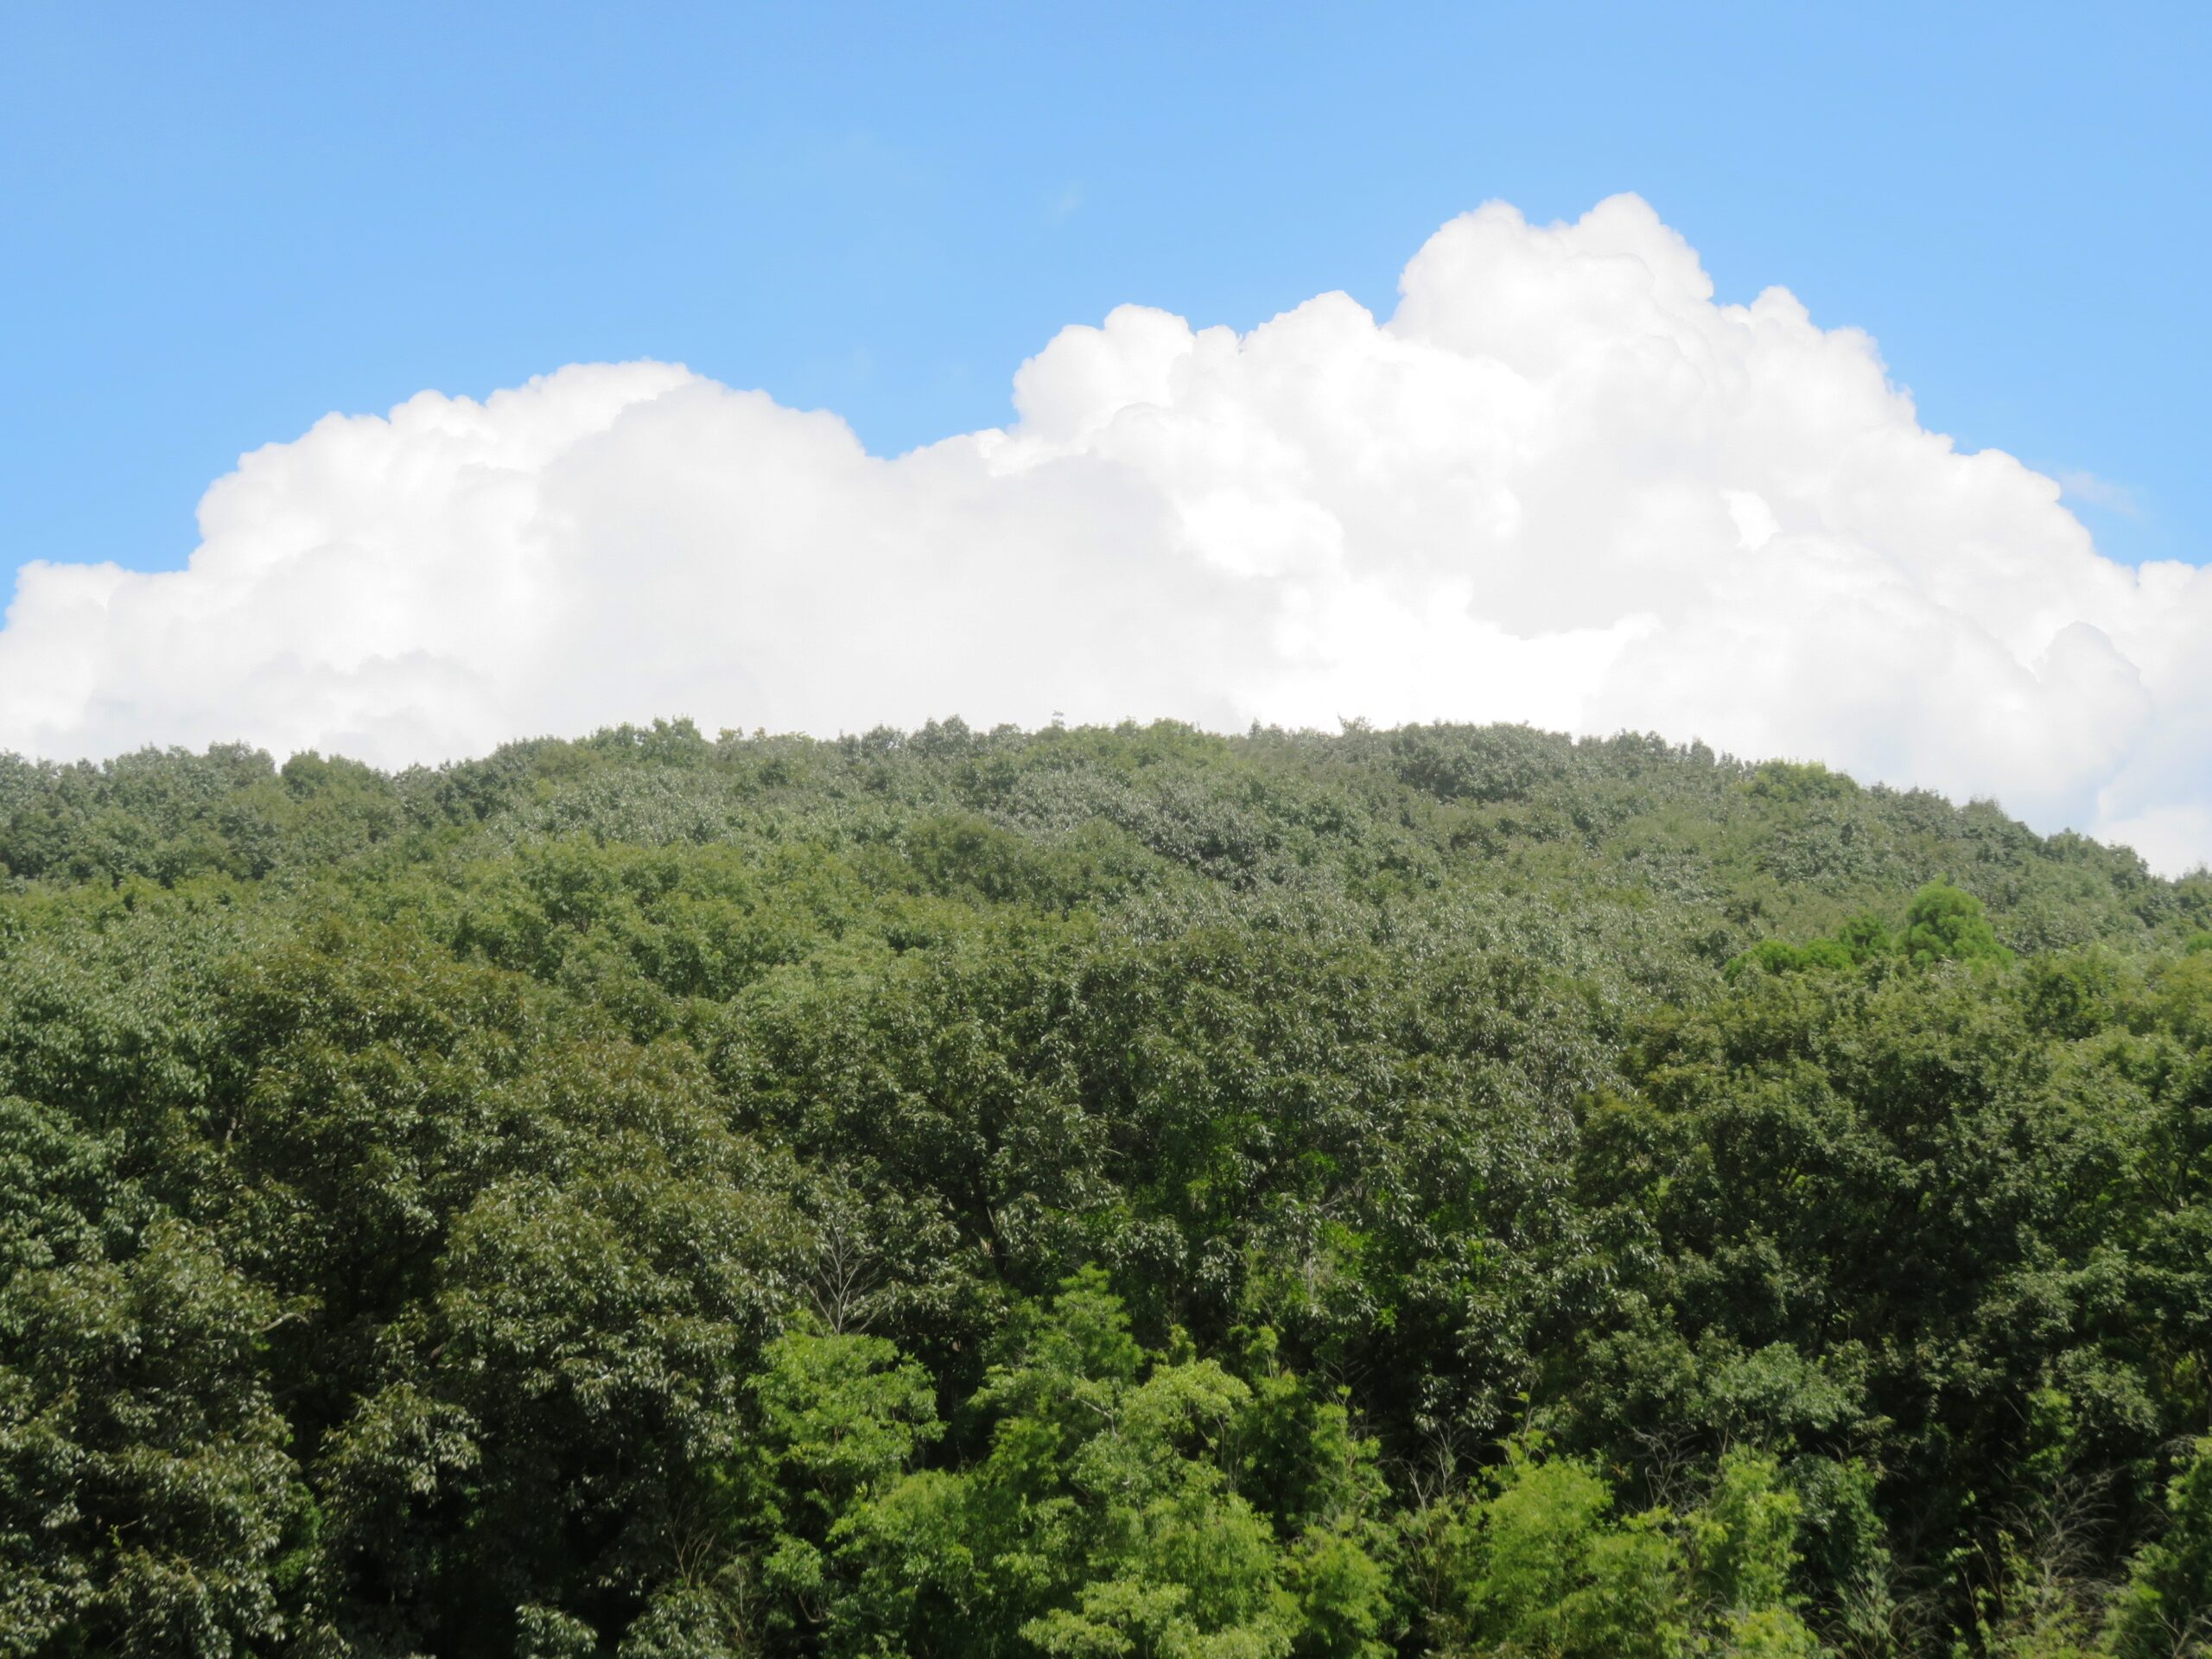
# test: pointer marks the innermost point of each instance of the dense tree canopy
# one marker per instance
(1093, 1193)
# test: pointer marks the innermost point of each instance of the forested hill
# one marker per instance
(1093, 1193)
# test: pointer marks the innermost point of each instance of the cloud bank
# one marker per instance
(1560, 485)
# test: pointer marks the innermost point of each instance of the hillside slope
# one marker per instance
(1093, 1191)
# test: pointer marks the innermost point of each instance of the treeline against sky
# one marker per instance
(1093, 1192)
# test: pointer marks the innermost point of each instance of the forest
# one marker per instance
(1093, 1192)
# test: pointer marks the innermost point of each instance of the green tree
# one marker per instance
(1105, 1518)
(1538, 1567)
(2164, 1609)
(147, 1501)
(1947, 923)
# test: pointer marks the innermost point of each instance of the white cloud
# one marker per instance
(2101, 492)
(1560, 485)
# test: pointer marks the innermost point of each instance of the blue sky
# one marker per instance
(222, 222)
(1562, 485)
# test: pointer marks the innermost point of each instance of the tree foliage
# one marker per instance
(1093, 1192)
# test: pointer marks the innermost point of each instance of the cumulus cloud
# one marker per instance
(1559, 484)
